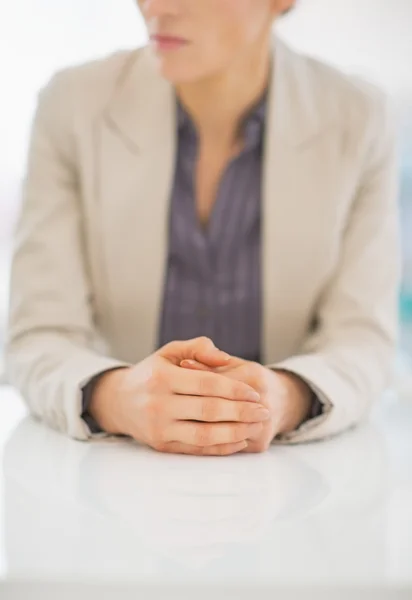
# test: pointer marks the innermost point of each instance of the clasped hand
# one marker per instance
(191, 398)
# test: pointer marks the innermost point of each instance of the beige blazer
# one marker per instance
(91, 242)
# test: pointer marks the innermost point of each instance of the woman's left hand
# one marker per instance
(287, 397)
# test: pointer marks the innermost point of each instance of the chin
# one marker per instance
(178, 71)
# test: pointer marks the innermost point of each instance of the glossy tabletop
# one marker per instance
(110, 519)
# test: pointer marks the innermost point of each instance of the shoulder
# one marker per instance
(87, 88)
(342, 87)
(357, 103)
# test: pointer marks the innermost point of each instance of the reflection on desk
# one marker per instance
(320, 513)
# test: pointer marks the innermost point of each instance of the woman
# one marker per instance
(220, 189)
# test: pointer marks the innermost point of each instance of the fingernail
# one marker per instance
(252, 396)
(187, 361)
(224, 355)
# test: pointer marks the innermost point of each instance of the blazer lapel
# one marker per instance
(298, 179)
(137, 148)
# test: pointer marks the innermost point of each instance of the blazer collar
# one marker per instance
(143, 103)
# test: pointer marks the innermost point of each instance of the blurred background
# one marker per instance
(367, 37)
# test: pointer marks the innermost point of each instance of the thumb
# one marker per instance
(202, 350)
(194, 365)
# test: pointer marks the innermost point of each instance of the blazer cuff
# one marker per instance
(75, 379)
(324, 420)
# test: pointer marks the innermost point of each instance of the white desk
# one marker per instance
(109, 519)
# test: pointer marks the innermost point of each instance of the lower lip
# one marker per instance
(167, 45)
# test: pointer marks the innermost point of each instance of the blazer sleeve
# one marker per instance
(51, 334)
(348, 359)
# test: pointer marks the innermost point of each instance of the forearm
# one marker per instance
(347, 379)
(50, 369)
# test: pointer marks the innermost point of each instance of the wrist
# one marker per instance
(105, 402)
(298, 398)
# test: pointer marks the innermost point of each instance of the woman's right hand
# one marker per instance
(176, 410)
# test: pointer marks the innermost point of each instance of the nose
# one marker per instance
(154, 9)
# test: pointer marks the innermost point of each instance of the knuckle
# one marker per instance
(244, 412)
(169, 349)
(208, 410)
(201, 435)
(238, 390)
(204, 340)
(201, 344)
(206, 386)
(156, 378)
(237, 434)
